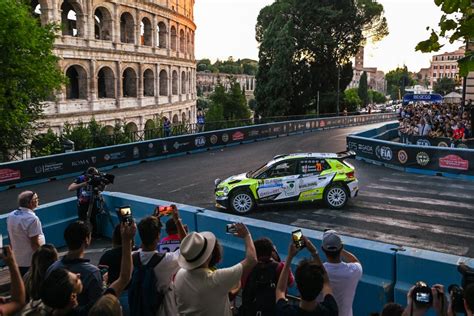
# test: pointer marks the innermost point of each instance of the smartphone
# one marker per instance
(165, 210)
(230, 229)
(124, 214)
(298, 240)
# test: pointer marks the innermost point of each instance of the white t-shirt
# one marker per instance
(22, 224)
(343, 278)
(164, 272)
(202, 292)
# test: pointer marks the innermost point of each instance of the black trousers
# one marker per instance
(82, 214)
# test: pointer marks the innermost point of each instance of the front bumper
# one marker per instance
(222, 202)
(353, 188)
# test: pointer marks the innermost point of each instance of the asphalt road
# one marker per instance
(394, 207)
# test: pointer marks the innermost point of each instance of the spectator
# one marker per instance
(258, 294)
(311, 280)
(85, 196)
(166, 267)
(25, 230)
(78, 238)
(344, 271)
(17, 289)
(61, 289)
(42, 259)
(468, 302)
(392, 309)
(200, 121)
(201, 290)
(166, 127)
(439, 303)
(171, 242)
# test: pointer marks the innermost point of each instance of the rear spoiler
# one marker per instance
(348, 154)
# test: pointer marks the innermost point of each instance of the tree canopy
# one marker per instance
(230, 66)
(302, 45)
(444, 85)
(230, 105)
(397, 80)
(456, 23)
(363, 90)
(29, 75)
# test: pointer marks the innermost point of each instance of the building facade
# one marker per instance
(445, 65)
(375, 78)
(207, 82)
(129, 61)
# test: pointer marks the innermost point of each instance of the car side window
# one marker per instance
(312, 166)
(282, 169)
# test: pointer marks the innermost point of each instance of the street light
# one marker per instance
(338, 79)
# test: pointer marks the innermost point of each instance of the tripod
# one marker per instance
(96, 197)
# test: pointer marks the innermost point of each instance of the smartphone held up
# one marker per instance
(124, 214)
(298, 240)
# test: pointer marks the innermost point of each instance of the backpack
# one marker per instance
(258, 295)
(143, 297)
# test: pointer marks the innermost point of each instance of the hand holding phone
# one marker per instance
(124, 214)
(161, 210)
(298, 240)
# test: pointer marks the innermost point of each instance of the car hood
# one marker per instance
(238, 177)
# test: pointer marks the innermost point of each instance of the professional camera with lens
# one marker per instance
(457, 292)
(422, 294)
(100, 180)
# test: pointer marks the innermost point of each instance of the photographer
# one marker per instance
(439, 302)
(88, 187)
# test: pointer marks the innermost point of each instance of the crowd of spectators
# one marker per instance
(436, 120)
(187, 281)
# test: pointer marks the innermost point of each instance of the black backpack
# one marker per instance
(143, 296)
(258, 295)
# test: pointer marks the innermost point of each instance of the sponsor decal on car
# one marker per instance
(453, 162)
(402, 156)
(200, 141)
(9, 175)
(214, 139)
(238, 136)
(265, 192)
(423, 142)
(384, 152)
(422, 158)
(225, 137)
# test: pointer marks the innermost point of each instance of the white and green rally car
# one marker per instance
(302, 177)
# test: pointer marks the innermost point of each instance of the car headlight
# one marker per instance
(225, 190)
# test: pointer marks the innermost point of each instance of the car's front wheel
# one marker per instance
(241, 201)
(336, 196)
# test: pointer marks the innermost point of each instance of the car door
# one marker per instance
(278, 183)
(313, 178)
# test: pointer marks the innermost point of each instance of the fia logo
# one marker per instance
(384, 152)
(200, 141)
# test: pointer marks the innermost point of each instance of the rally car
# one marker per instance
(291, 178)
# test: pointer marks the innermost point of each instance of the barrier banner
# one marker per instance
(437, 142)
(450, 160)
(49, 167)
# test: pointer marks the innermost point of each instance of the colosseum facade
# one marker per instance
(126, 60)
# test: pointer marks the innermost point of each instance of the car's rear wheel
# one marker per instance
(336, 196)
(241, 201)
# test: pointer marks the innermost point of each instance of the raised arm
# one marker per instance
(74, 186)
(179, 224)
(17, 289)
(282, 285)
(128, 233)
(250, 259)
(348, 257)
(315, 255)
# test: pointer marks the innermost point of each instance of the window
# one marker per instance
(282, 169)
(441, 67)
(309, 166)
(435, 67)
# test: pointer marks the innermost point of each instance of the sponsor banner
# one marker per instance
(442, 159)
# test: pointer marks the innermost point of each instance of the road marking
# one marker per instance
(184, 187)
(456, 194)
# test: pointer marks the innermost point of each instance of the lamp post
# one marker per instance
(338, 79)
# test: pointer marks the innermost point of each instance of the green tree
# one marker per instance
(46, 144)
(29, 75)
(363, 90)
(79, 134)
(304, 44)
(235, 106)
(397, 80)
(456, 23)
(352, 100)
(444, 85)
(377, 97)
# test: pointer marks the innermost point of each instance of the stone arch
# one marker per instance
(131, 127)
(108, 130)
(163, 82)
(129, 83)
(72, 18)
(162, 34)
(76, 88)
(174, 83)
(173, 38)
(106, 83)
(183, 117)
(149, 125)
(189, 82)
(188, 43)
(103, 24)
(183, 82)
(127, 28)
(182, 41)
(145, 32)
(175, 119)
(148, 83)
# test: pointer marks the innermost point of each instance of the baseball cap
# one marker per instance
(331, 241)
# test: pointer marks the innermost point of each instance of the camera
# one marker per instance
(457, 292)
(422, 294)
(124, 214)
(297, 237)
(100, 180)
(231, 228)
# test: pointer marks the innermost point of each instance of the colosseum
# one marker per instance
(126, 60)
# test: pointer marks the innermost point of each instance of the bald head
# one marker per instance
(27, 199)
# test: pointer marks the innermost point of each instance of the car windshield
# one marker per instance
(259, 170)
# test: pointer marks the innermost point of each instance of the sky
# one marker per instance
(227, 28)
